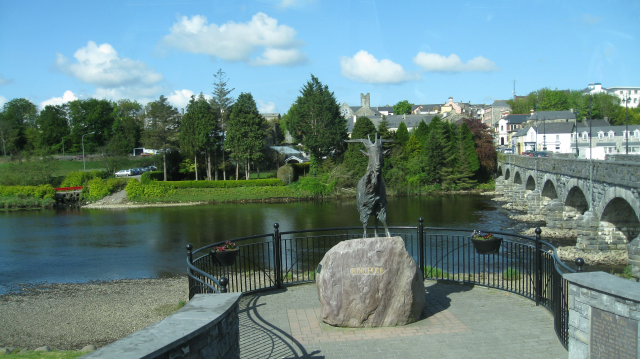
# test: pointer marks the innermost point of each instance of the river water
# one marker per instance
(82, 245)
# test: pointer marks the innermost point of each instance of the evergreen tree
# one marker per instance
(353, 158)
(466, 141)
(198, 130)
(246, 133)
(422, 132)
(163, 125)
(222, 102)
(402, 134)
(383, 129)
(434, 149)
(315, 121)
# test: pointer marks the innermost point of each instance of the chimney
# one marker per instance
(532, 112)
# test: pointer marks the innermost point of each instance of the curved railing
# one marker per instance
(524, 265)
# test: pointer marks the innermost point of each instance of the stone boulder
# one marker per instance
(370, 282)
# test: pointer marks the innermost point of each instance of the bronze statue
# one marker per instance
(372, 195)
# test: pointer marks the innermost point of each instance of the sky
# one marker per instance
(422, 51)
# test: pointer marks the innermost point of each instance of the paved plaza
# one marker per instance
(459, 321)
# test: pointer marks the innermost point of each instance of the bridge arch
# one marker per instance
(549, 189)
(577, 199)
(507, 174)
(499, 171)
(531, 183)
(617, 208)
(517, 179)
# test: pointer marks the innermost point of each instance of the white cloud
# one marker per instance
(3, 100)
(68, 96)
(364, 67)
(238, 41)
(180, 98)
(4, 81)
(101, 66)
(452, 63)
(266, 107)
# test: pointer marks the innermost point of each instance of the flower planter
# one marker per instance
(487, 246)
(225, 258)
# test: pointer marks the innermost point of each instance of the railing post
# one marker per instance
(421, 244)
(579, 263)
(538, 267)
(189, 253)
(191, 281)
(224, 281)
(277, 255)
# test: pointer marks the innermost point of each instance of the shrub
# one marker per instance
(99, 188)
(220, 184)
(80, 178)
(41, 191)
(434, 272)
(314, 186)
(287, 174)
(136, 191)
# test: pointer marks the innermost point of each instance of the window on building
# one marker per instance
(636, 133)
(585, 136)
(601, 135)
(611, 134)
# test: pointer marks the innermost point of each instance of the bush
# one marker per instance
(99, 188)
(45, 191)
(287, 174)
(80, 178)
(314, 186)
(148, 177)
(136, 191)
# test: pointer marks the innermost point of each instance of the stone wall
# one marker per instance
(604, 311)
(207, 327)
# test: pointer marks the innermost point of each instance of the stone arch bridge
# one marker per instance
(600, 200)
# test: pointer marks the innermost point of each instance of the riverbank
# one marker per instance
(72, 316)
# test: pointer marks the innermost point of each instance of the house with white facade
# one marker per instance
(632, 93)
(598, 141)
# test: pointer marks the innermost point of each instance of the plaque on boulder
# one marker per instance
(370, 282)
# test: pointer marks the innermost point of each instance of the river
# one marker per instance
(82, 245)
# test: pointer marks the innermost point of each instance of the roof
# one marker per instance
(552, 115)
(517, 119)
(555, 127)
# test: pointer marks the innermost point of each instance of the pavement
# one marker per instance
(459, 321)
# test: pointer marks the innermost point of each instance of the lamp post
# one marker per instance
(626, 112)
(84, 168)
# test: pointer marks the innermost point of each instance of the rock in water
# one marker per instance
(370, 282)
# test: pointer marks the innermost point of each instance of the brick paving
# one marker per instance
(459, 321)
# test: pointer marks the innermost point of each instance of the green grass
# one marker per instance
(511, 274)
(430, 272)
(8, 203)
(165, 310)
(30, 354)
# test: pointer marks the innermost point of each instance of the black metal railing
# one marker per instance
(524, 265)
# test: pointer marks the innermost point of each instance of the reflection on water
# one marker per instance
(78, 245)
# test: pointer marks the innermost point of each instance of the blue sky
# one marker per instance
(421, 51)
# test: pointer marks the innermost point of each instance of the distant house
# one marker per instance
(507, 127)
(291, 155)
(598, 140)
(622, 92)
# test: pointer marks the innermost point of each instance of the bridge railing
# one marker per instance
(524, 265)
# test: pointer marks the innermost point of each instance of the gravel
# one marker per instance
(72, 316)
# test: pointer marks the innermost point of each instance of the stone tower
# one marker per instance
(365, 100)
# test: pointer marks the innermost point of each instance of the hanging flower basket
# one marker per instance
(225, 255)
(485, 243)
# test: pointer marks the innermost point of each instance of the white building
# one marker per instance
(622, 92)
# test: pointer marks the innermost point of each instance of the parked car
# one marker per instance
(123, 173)
(527, 153)
(540, 154)
(507, 151)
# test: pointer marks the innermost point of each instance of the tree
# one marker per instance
(53, 127)
(223, 102)
(422, 132)
(163, 124)
(17, 117)
(468, 146)
(315, 121)
(246, 133)
(353, 158)
(383, 129)
(126, 128)
(402, 134)
(434, 148)
(402, 108)
(485, 148)
(91, 115)
(199, 131)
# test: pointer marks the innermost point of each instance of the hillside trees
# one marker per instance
(246, 131)
(402, 108)
(222, 101)
(91, 115)
(17, 125)
(199, 131)
(126, 128)
(315, 121)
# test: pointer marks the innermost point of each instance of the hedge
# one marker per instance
(136, 191)
(80, 178)
(45, 191)
(99, 188)
(219, 184)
